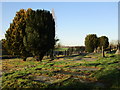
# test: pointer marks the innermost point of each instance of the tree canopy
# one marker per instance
(39, 32)
(103, 41)
(91, 42)
(32, 31)
(15, 33)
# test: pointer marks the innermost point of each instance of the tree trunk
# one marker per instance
(51, 55)
(24, 59)
(40, 57)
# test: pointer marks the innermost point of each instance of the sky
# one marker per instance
(74, 20)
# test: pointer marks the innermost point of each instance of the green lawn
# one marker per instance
(86, 72)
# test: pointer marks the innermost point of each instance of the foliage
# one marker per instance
(39, 32)
(15, 33)
(31, 32)
(3, 47)
(91, 42)
(103, 41)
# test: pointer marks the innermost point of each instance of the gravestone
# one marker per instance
(103, 53)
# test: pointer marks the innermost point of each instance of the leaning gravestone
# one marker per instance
(103, 54)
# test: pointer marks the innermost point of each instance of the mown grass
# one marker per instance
(21, 74)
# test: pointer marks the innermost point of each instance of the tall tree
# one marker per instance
(39, 33)
(15, 33)
(103, 41)
(3, 47)
(91, 42)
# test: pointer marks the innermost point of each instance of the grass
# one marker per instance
(61, 49)
(21, 74)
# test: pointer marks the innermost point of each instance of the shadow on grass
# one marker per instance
(69, 73)
(71, 84)
(110, 78)
(9, 57)
(72, 56)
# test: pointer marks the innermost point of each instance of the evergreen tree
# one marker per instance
(3, 47)
(14, 35)
(103, 41)
(39, 33)
(91, 42)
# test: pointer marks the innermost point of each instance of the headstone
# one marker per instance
(103, 53)
(95, 50)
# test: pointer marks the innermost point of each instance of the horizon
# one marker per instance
(74, 20)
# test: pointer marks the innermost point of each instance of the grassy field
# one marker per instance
(89, 71)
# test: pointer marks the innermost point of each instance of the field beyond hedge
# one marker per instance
(89, 71)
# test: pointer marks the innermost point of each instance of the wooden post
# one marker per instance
(103, 54)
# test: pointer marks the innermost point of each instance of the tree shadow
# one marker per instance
(111, 79)
(72, 56)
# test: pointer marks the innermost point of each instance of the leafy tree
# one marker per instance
(91, 42)
(15, 33)
(103, 41)
(39, 33)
